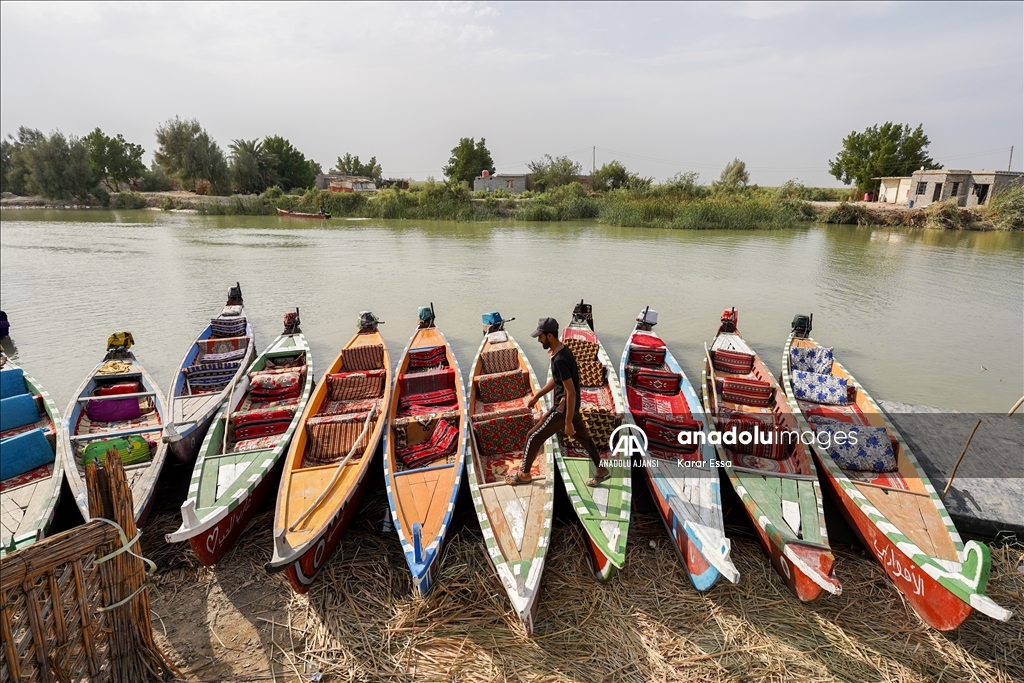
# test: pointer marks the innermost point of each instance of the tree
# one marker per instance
(188, 153)
(16, 172)
(550, 172)
(886, 150)
(253, 168)
(613, 176)
(293, 168)
(114, 160)
(59, 167)
(468, 160)
(350, 165)
(734, 177)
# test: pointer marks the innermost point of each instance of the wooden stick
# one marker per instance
(962, 454)
(890, 488)
(1015, 406)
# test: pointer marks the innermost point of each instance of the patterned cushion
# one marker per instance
(592, 373)
(489, 411)
(351, 386)
(218, 346)
(261, 415)
(785, 466)
(262, 443)
(598, 398)
(745, 424)
(119, 388)
(658, 381)
(256, 431)
(363, 358)
(276, 385)
(640, 355)
(662, 433)
(751, 392)
(285, 362)
(863, 448)
(600, 424)
(331, 437)
(500, 360)
(650, 341)
(228, 327)
(582, 349)
(339, 407)
(442, 442)
(430, 402)
(811, 359)
(811, 386)
(213, 369)
(426, 381)
(732, 361)
(427, 357)
(504, 434)
(502, 386)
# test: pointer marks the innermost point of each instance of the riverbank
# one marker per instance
(657, 207)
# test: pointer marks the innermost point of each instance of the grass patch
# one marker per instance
(1006, 210)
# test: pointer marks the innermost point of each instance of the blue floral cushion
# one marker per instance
(811, 359)
(812, 386)
(857, 447)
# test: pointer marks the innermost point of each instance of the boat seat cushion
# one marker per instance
(428, 357)
(489, 411)
(339, 407)
(427, 381)
(276, 385)
(582, 349)
(261, 443)
(12, 382)
(18, 411)
(502, 386)
(600, 424)
(641, 355)
(732, 361)
(504, 434)
(254, 431)
(443, 442)
(25, 452)
(231, 326)
(331, 437)
(500, 360)
(132, 449)
(352, 386)
(264, 415)
(811, 359)
(758, 431)
(430, 402)
(211, 376)
(593, 373)
(119, 388)
(231, 311)
(784, 466)
(861, 448)
(229, 348)
(114, 410)
(363, 358)
(818, 388)
(746, 391)
(664, 433)
(657, 381)
(650, 341)
(294, 362)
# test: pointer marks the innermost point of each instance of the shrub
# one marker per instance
(481, 194)
(846, 213)
(101, 195)
(203, 187)
(167, 204)
(129, 200)
(501, 193)
(950, 216)
(1006, 209)
(343, 203)
(154, 180)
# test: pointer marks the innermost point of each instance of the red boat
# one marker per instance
(295, 214)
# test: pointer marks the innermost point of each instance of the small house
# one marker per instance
(514, 183)
(345, 183)
(893, 190)
(966, 188)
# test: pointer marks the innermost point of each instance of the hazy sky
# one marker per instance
(661, 87)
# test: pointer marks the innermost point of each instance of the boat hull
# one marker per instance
(702, 574)
(938, 607)
(604, 570)
(187, 448)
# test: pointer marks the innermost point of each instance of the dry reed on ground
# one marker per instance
(359, 622)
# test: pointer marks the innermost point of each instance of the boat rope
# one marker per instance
(125, 548)
(339, 469)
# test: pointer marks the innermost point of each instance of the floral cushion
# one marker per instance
(746, 391)
(294, 362)
(811, 359)
(352, 386)
(506, 434)
(258, 444)
(276, 385)
(260, 415)
(331, 437)
(502, 386)
(732, 361)
(362, 358)
(862, 449)
(582, 349)
(428, 357)
(812, 386)
(592, 373)
(500, 360)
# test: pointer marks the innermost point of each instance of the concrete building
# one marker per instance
(893, 190)
(966, 188)
(515, 183)
(344, 183)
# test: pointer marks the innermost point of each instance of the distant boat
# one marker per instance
(330, 455)
(516, 519)
(660, 399)
(235, 471)
(297, 214)
(118, 406)
(31, 462)
(889, 501)
(211, 368)
(425, 448)
(604, 510)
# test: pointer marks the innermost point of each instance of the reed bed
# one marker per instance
(360, 623)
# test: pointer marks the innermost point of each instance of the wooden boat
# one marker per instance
(516, 520)
(239, 461)
(660, 399)
(605, 509)
(780, 491)
(297, 214)
(30, 464)
(217, 359)
(329, 457)
(896, 513)
(118, 403)
(425, 448)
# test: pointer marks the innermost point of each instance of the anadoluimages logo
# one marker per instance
(627, 441)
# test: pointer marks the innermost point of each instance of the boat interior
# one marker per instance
(269, 403)
(216, 355)
(427, 422)
(597, 402)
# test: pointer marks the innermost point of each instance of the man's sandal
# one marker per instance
(514, 480)
(596, 481)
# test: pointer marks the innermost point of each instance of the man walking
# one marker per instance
(565, 415)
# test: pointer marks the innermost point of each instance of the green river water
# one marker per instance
(915, 315)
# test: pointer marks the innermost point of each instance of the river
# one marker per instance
(918, 316)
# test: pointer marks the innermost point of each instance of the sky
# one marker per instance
(663, 88)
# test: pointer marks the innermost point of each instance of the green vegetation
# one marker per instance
(56, 167)
(253, 167)
(188, 153)
(734, 178)
(887, 150)
(292, 168)
(114, 160)
(1006, 210)
(549, 172)
(468, 160)
(350, 165)
(614, 176)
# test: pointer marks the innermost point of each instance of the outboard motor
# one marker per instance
(730, 320)
(584, 313)
(426, 316)
(235, 295)
(493, 322)
(118, 344)
(647, 319)
(368, 322)
(292, 322)
(801, 326)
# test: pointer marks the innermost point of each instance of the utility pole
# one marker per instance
(593, 161)
(1011, 159)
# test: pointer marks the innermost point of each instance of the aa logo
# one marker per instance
(628, 441)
